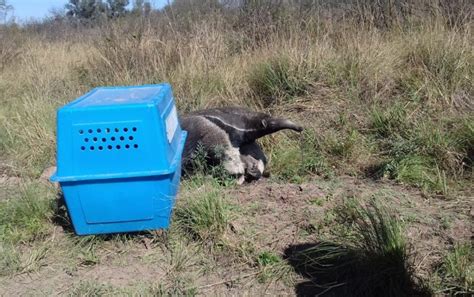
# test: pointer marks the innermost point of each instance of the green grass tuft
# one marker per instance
(463, 141)
(9, 259)
(90, 288)
(27, 214)
(420, 151)
(391, 121)
(267, 258)
(30, 260)
(85, 249)
(277, 79)
(272, 267)
(420, 171)
(204, 215)
(296, 160)
(457, 271)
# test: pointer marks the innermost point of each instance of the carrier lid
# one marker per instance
(107, 96)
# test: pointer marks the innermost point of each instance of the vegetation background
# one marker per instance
(384, 89)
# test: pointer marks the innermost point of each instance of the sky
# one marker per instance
(37, 9)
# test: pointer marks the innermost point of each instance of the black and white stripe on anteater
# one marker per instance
(235, 130)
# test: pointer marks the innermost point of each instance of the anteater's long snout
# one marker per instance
(272, 125)
(277, 124)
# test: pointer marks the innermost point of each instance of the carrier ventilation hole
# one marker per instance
(108, 130)
(112, 138)
(110, 147)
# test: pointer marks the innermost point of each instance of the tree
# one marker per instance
(5, 8)
(85, 9)
(93, 9)
(116, 8)
(138, 6)
(141, 7)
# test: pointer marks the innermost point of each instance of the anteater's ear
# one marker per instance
(264, 123)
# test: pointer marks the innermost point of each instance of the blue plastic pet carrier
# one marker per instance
(119, 158)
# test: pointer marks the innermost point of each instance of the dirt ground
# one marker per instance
(268, 217)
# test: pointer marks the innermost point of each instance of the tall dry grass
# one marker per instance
(341, 68)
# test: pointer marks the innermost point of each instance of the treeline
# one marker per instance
(253, 18)
(93, 10)
(380, 13)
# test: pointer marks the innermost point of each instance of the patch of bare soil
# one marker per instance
(274, 214)
(7, 180)
(269, 217)
(290, 214)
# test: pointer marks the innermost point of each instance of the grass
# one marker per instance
(14, 262)
(93, 288)
(86, 249)
(204, 214)
(391, 121)
(27, 214)
(396, 90)
(422, 152)
(9, 260)
(273, 267)
(372, 260)
(276, 82)
(457, 271)
(416, 170)
(296, 159)
(440, 72)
